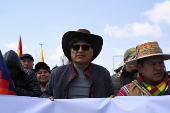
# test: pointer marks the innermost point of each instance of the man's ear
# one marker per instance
(139, 67)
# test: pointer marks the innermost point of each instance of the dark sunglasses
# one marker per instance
(85, 47)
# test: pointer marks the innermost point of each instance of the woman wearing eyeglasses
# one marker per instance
(80, 78)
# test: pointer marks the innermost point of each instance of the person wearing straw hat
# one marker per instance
(125, 73)
(152, 79)
(80, 78)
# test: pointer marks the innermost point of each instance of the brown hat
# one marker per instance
(68, 36)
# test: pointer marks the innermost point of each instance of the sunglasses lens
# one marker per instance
(76, 47)
(86, 47)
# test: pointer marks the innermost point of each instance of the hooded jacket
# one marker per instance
(62, 76)
(26, 83)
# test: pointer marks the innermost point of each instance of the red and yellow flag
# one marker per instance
(41, 56)
(19, 52)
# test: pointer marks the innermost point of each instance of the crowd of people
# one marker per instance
(141, 72)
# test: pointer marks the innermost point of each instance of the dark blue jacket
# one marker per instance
(61, 77)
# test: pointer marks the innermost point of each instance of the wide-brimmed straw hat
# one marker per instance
(147, 49)
(68, 36)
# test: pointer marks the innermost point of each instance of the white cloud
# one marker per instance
(14, 45)
(119, 52)
(159, 13)
(166, 50)
(137, 29)
(56, 53)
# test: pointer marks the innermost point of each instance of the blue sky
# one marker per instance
(122, 24)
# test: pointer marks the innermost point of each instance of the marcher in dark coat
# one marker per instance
(61, 77)
(80, 78)
(24, 80)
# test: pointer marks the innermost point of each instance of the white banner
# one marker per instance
(130, 104)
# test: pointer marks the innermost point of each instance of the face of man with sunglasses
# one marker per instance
(81, 53)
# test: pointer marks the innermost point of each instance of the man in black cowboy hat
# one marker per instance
(80, 78)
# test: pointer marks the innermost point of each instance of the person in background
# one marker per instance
(42, 71)
(27, 61)
(152, 79)
(127, 73)
(24, 80)
(119, 67)
(54, 67)
(80, 78)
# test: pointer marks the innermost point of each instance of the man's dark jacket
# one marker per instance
(26, 83)
(62, 76)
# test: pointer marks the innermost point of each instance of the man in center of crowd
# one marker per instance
(81, 78)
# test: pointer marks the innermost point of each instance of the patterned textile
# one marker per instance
(148, 49)
(155, 91)
(124, 91)
(6, 86)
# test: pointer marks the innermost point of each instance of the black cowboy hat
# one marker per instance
(68, 36)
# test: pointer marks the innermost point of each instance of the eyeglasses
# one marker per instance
(85, 47)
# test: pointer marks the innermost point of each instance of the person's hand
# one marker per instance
(112, 96)
(51, 98)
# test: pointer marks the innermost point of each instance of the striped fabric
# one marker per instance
(124, 91)
(155, 91)
(6, 86)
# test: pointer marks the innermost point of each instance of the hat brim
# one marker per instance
(41, 65)
(68, 36)
(134, 61)
(26, 56)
